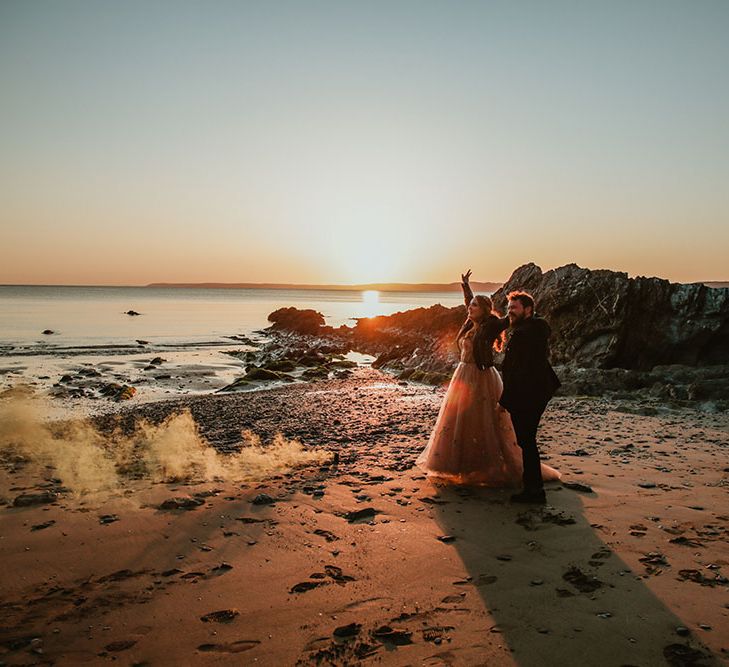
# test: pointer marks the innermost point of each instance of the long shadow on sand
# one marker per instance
(558, 594)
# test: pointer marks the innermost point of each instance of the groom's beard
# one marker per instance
(516, 320)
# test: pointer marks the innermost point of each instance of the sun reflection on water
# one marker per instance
(370, 306)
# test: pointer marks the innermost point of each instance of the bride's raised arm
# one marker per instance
(467, 291)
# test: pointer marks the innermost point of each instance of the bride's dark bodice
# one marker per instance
(492, 327)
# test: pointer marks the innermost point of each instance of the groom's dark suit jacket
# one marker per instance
(529, 379)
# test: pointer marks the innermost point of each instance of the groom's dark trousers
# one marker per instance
(529, 383)
(525, 426)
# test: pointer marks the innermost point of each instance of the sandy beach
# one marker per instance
(273, 273)
(361, 560)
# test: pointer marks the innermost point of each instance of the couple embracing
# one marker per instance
(486, 429)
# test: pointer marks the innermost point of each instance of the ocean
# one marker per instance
(94, 317)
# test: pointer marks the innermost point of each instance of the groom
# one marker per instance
(529, 383)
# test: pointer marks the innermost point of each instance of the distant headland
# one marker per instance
(380, 287)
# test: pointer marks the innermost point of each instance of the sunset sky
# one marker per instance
(338, 142)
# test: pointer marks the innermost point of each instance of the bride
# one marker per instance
(473, 440)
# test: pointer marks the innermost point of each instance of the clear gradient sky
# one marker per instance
(377, 141)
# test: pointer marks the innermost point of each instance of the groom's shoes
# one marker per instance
(538, 497)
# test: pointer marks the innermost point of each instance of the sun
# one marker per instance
(370, 306)
(370, 297)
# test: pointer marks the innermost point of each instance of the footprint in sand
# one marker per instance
(232, 647)
(222, 616)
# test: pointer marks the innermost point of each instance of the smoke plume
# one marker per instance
(88, 461)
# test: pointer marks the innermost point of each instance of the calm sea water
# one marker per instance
(95, 316)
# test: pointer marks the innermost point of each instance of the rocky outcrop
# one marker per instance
(301, 321)
(678, 384)
(420, 341)
(610, 333)
(604, 319)
(290, 355)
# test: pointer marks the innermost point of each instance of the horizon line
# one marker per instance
(311, 286)
(393, 287)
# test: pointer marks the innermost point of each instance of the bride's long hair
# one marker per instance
(487, 306)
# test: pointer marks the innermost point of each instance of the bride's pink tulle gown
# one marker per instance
(473, 440)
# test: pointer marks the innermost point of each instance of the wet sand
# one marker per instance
(631, 572)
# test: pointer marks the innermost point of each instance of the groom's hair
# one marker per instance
(525, 298)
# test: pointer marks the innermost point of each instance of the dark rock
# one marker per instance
(581, 581)
(654, 561)
(393, 636)
(708, 389)
(358, 515)
(222, 568)
(132, 312)
(263, 499)
(256, 374)
(170, 573)
(292, 319)
(577, 486)
(119, 575)
(313, 359)
(121, 645)
(436, 634)
(316, 373)
(326, 534)
(40, 498)
(349, 630)
(335, 573)
(681, 655)
(700, 578)
(48, 332)
(578, 452)
(433, 501)
(606, 319)
(41, 526)
(687, 542)
(655, 558)
(181, 503)
(240, 383)
(285, 365)
(15, 643)
(222, 616)
(306, 586)
(117, 392)
(89, 372)
(342, 363)
(230, 647)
